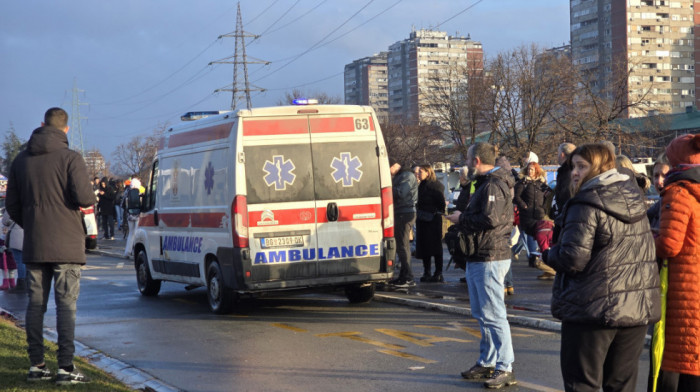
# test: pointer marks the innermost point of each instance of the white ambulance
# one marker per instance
(269, 199)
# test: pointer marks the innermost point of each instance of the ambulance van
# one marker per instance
(269, 199)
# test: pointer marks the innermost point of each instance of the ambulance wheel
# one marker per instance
(360, 293)
(220, 298)
(147, 285)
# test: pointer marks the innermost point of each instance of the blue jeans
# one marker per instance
(66, 284)
(485, 283)
(119, 214)
(21, 268)
(531, 244)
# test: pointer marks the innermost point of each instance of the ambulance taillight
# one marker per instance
(387, 212)
(239, 211)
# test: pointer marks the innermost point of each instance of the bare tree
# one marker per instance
(412, 144)
(592, 113)
(453, 101)
(136, 156)
(323, 98)
(11, 146)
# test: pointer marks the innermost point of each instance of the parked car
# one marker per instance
(90, 226)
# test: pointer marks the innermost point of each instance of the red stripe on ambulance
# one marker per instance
(332, 124)
(183, 220)
(216, 132)
(275, 127)
(282, 217)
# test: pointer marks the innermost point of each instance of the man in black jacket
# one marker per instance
(489, 219)
(405, 192)
(47, 185)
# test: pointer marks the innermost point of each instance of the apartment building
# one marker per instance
(650, 43)
(421, 60)
(366, 83)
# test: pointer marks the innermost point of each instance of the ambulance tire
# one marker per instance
(147, 286)
(221, 298)
(358, 294)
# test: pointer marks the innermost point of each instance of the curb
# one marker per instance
(127, 374)
(532, 322)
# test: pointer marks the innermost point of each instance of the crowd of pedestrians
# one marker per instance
(593, 235)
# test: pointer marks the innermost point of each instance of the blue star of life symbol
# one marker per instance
(279, 172)
(209, 178)
(347, 169)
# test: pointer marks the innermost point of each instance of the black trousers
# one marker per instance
(677, 382)
(403, 224)
(593, 357)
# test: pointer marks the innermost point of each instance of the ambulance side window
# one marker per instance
(149, 201)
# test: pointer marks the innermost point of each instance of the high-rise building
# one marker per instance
(425, 57)
(650, 44)
(366, 84)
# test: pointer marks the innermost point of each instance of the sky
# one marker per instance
(139, 64)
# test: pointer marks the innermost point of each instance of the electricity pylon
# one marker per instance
(239, 58)
(76, 130)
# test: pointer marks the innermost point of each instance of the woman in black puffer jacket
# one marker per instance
(606, 290)
(430, 207)
(530, 196)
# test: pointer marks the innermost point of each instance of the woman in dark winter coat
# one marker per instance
(606, 290)
(430, 207)
(105, 206)
(531, 195)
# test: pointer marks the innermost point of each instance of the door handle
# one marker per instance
(332, 212)
(155, 217)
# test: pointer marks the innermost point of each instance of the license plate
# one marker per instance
(278, 242)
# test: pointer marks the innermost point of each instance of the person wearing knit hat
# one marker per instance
(678, 242)
(531, 157)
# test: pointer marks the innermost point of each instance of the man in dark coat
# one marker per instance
(105, 205)
(489, 218)
(405, 192)
(47, 185)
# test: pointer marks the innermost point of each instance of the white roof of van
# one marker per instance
(293, 110)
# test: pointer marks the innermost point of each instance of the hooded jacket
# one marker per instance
(605, 258)
(529, 196)
(405, 192)
(489, 216)
(47, 185)
(679, 243)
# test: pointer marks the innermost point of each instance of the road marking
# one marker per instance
(90, 278)
(355, 336)
(120, 265)
(536, 387)
(92, 267)
(289, 327)
(407, 356)
(424, 341)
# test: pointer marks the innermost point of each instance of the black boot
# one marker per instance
(436, 278)
(20, 287)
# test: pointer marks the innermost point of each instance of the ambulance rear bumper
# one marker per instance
(241, 275)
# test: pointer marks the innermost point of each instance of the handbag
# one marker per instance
(461, 244)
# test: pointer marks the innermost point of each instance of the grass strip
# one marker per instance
(14, 364)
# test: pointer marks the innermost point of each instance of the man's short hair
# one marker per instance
(57, 118)
(567, 148)
(486, 153)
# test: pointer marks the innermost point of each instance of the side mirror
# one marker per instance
(133, 202)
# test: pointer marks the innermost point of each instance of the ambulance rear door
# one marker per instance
(280, 200)
(347, 192)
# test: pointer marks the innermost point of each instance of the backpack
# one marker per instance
(460, 244)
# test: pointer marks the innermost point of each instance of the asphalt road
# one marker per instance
(303, 342)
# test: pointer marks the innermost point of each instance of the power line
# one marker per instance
(349, 31)
(263, 11)
(288, 23)
(317, 43)
(457, 14)
(162, 81)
